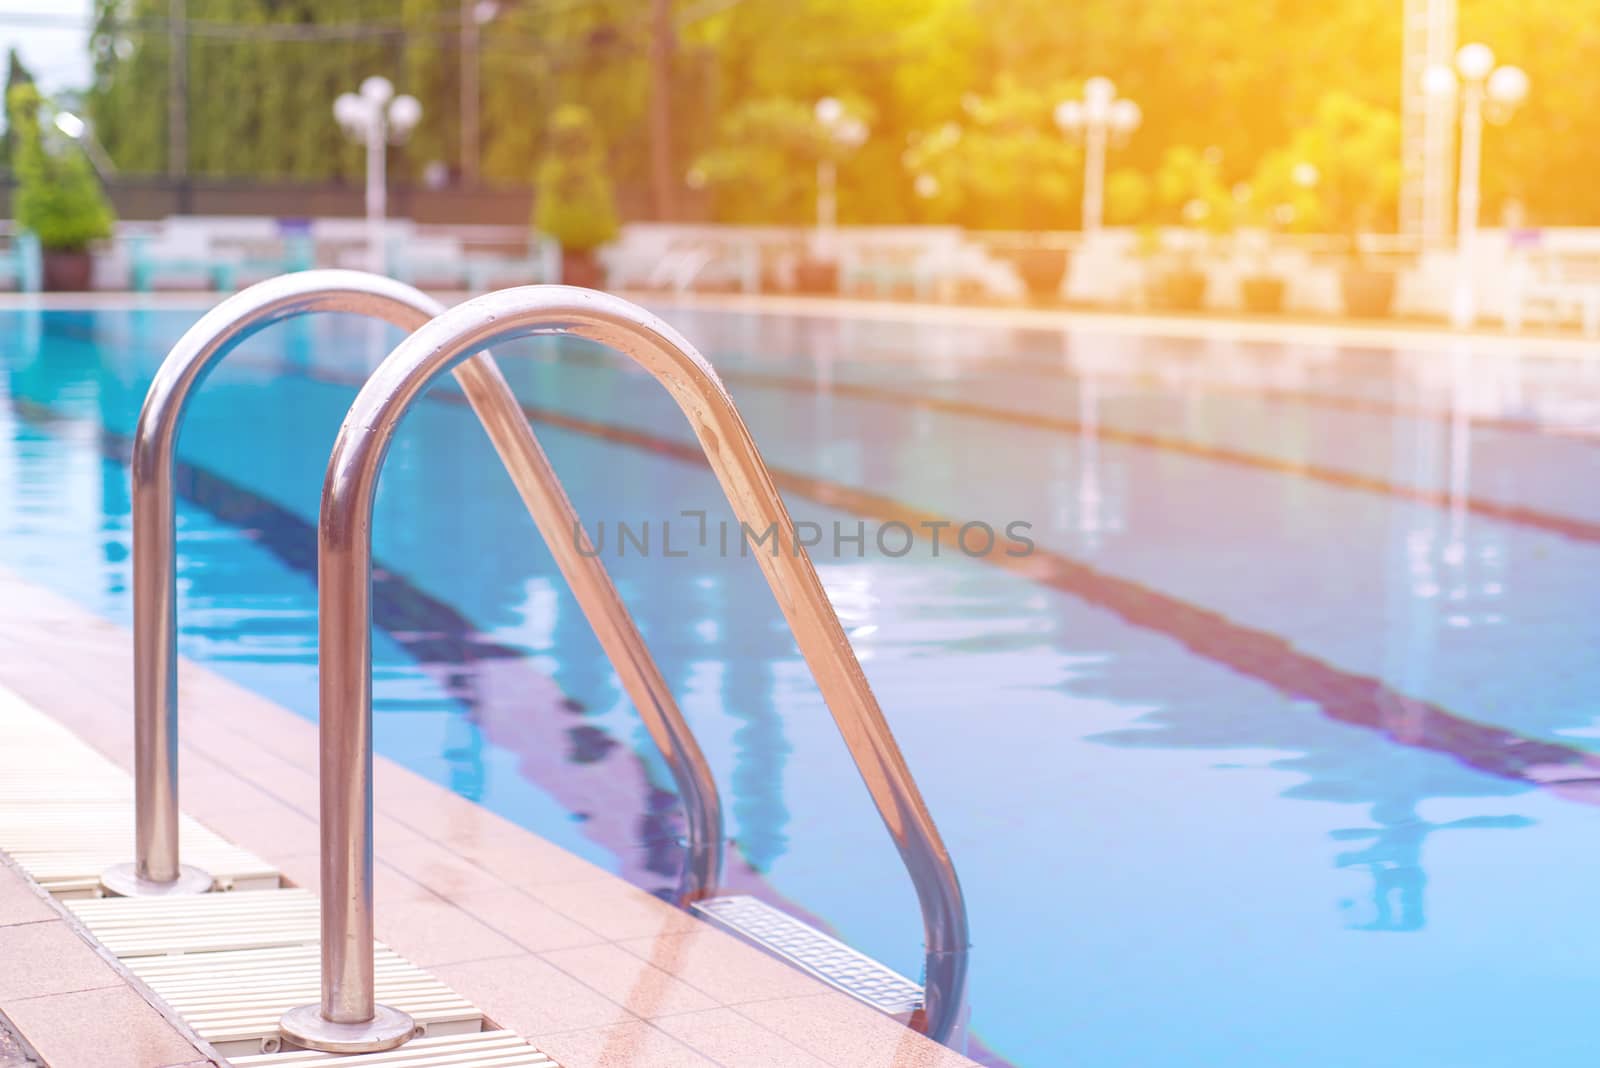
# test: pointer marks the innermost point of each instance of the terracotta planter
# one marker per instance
(1368, 293)
(1042, 270)
(67, 272)
(1180, 290)
(816, 276)
(582, 269)
(1263, 294)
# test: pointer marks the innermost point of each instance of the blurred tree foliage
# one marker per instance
(574, 202)
(1244, 77)
(1005, 165)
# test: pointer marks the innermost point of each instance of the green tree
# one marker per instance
(262, 76)
(763, 169)
(17, 74)
(1005, 166)
(1354, 148)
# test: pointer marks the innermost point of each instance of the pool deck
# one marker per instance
(593, 971)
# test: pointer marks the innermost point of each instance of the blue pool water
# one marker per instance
(1249, 763)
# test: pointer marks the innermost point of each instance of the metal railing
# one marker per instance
(348, 1017)
(156, 869)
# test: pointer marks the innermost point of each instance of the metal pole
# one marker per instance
(177, 90)
(156, 869)
(1464, 311)
(377, 187)
(1094, 173)
(344, 589)
(827, 205)
(661, 48)
(469, 92)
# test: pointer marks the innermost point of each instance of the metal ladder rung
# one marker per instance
(803, 946)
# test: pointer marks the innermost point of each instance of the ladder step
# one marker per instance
(142, 927)
(485, 1049)
(808, 949)
(234, 999)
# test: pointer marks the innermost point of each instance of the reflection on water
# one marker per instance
(1042, 712)
(1394, 858)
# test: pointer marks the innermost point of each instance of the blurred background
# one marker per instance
(1370, 157)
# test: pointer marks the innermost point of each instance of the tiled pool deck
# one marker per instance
(595, 972)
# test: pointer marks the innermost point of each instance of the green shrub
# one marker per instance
(1353, 148)
(58, 196)
(1189, 190)
(574, 202)
(1006, 167)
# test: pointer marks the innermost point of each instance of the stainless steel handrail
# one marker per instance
(156, 869)
(345, 629)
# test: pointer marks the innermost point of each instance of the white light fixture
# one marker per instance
(1508, 86)
(1098, 117)
(1475, 61)
(1487, 94)
(70, 124)
(1069, 116)
(404, 114)
(377, 89)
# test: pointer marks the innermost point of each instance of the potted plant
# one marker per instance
(1280, 197)
(1354, 147)
(573, 200)
(58, 197)
(1190, 191)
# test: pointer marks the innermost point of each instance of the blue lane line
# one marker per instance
(1343, 696)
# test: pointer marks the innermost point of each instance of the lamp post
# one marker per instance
(1488, 93)
(843, 133)
(1098, 117)
(377, 118)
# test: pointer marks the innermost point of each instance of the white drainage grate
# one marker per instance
(233, 1000)
(66, 812)
(65, 847)
(486, 1049)
(813, 952)
(229, 964)
(208, 923)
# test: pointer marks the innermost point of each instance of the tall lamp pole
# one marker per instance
(376, 117)
(843, 133)
(1097, 118)
(1487, 93)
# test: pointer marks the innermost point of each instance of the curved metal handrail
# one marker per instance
(156, 869)
(345, 632)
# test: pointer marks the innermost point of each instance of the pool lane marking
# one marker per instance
(1357, 700)
(1577, 434)
(1566, 526)
(1343, 696)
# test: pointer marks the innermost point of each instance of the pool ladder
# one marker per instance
(348, 1017)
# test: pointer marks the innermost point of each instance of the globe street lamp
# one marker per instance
(1486, 92)
(1095, 118)
(844, 133)
(377, 118)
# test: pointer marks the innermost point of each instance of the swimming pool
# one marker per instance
(1248, 762)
